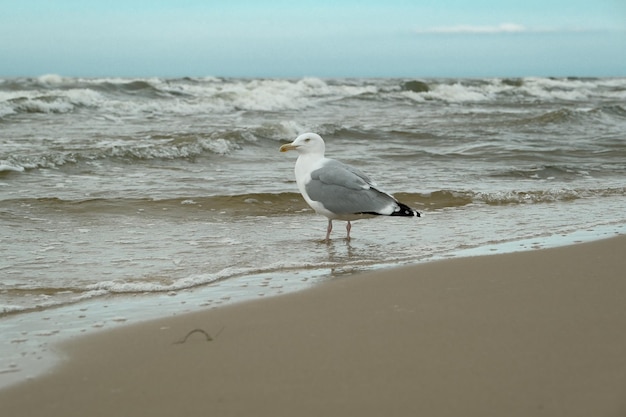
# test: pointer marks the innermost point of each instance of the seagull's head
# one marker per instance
(307, 143)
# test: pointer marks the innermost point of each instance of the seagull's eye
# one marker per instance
(307, 140)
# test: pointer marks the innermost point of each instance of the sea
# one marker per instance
(128, 199)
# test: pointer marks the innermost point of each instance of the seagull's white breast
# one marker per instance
(305, 165)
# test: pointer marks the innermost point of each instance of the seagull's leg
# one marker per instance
(329, 229)
(348, 227)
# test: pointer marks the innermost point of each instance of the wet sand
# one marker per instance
(525, 334)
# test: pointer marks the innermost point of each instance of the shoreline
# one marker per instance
(27, 341)
(523, 333)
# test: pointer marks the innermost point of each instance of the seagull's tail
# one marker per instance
(404, 210)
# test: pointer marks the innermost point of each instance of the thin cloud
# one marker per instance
(470, 29)
(502, 28)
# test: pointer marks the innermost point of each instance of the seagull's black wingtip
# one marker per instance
(404, 210)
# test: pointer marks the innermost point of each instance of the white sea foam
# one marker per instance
(188, 282)
(50, 79)
(9, 166)
(458, 93)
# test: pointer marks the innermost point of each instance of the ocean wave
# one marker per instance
(450, 199)
(521, 90)
(606, 114)
(545, 172)
(31, 162)
(290, 203)
(173, 149)
(569, 169)
(551, 117)
(157, 147)
(613, 111)
(46, 298)
(10, 166)
(154, 146)
(122, 97)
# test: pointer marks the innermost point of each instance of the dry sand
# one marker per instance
(539, 333)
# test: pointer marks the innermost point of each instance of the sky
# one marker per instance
(320, 38)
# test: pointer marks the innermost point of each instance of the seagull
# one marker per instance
(336, 190)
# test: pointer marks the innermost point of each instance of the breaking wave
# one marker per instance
(120, 97)
(156, 147)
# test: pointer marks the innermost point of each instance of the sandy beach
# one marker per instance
(538, 333)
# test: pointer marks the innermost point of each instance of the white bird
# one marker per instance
(336, 190)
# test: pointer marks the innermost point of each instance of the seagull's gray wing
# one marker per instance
(344, 190)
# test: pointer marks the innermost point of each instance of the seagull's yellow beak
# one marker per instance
(288, 147)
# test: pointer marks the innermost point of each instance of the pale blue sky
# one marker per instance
(260, 38)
